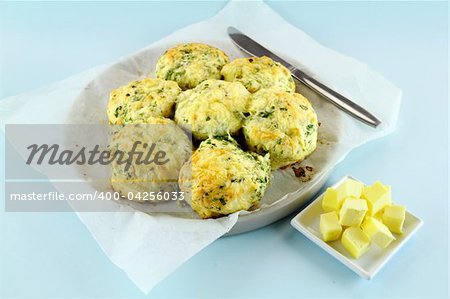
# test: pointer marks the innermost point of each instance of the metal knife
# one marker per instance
(251, 47)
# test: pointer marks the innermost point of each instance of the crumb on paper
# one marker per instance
(305, 173)
(299, 172)
(322, 141)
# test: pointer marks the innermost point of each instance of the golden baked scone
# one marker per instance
(139, 100)
(213, 108)
(191, 64)
(282, 124)
(221, 178)
(140, 177)
(256, 73)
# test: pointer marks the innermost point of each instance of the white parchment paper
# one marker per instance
(148, 248)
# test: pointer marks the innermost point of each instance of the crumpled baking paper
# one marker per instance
(149, 247)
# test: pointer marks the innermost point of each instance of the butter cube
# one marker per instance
(393, 218)
(352, 212)
(330, 201)
(378, 196)
(355, 241)
(349, 188)
(379, 216)
(377, 232)
(330, 227)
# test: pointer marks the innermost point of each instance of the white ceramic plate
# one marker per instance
(286, 192)
(307, 222)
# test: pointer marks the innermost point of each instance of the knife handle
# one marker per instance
(337, 99)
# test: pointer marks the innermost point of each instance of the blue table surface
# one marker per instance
(53, 254)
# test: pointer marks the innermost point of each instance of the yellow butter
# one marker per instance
(330, 227)
(352, 212)
(355, 241)
(330, 200)
(394, 217)
(379, 216)
(378, 196)
(377, 232)
(349, 188)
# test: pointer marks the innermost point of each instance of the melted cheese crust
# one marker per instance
(213, 108)
(282, 124)
(256, 73)
(137, 101)
(191, 64)
(142, 177)
(221, 179)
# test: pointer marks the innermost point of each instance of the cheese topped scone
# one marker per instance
(213, 108)
(256, 73)
(220, 178)
(139, 177)
(139, 100)
(191, 64)
(282, 124)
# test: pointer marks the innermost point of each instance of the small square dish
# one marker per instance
(367, 266)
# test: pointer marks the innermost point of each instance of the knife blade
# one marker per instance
(251, 47)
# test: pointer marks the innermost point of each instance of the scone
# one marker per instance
(213, 108)
(139, 177)
(139, 100)
(256, 73)
(221, 178)
(282, 124)
(191, 64)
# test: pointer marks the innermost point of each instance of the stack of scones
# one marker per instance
(244, 116)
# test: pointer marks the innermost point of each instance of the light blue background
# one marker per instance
(53, 254)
